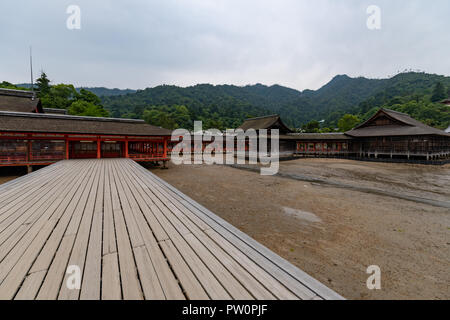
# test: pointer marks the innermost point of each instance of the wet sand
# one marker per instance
(335, 233)
(7, 178)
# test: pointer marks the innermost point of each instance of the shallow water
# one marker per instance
(308, 216)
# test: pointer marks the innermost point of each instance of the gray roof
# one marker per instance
(55, 111)
(19, 101)
(52, 123)
(402, 125)
(266, 122)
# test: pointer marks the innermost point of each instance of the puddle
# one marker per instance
(308, 216)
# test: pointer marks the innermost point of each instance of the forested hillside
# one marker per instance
(340, 104)
(106, 92)
(218, 106)
(415, 94)
(226, 106)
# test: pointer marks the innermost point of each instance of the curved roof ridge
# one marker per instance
(264, 123)
(395, 111)
(263, 117)
(406, 126)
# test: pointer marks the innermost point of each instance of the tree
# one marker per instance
(312, 126)
(438, 93)
(326, 130)
(59, 96)
(43, 84)
(348, 122)
(84, 108)
(88, 96)
(65, 96)
(159, 118)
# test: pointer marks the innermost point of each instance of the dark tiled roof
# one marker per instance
(52, 123)
(19, 101)
(266, 122)
(404, 126)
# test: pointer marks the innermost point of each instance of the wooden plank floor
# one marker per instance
(132, 236)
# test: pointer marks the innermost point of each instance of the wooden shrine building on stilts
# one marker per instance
(31, 135)
(387, 136)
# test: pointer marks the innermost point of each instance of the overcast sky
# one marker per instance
(295, 43)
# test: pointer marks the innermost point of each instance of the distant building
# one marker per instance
(32, 135)
(396, 135)
(387, 134)
(268, 123)
(446, 102)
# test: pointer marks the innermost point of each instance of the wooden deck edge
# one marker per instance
(292, 278)
(25, 176)
(304, 278)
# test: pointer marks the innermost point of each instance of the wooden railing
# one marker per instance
(146, 155)
(13, 158)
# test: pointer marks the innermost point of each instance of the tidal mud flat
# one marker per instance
(334, 232)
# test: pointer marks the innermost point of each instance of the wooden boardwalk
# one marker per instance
(132, 236)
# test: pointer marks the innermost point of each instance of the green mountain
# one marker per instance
(226, 106)
(223, 106)
(98, 91)
(106, 92)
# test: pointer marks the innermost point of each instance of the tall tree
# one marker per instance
(43, 84)
(438, 93)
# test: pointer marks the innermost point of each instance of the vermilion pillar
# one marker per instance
(29, 150)
(99, 154)
(67, 148)
(126, 148)
(165, 147)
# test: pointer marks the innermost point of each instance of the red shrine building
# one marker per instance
(32, 135)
